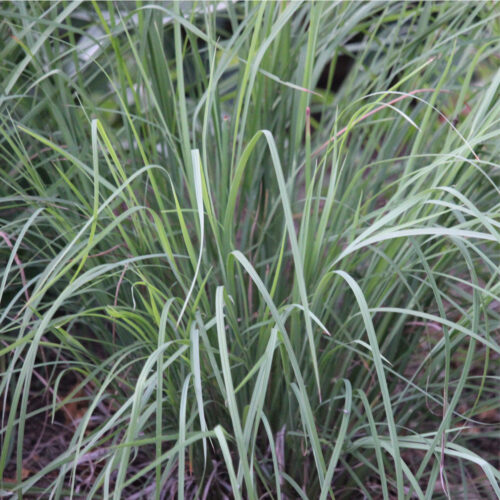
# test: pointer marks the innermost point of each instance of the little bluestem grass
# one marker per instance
(263, 238)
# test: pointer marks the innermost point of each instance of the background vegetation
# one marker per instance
(249, 249)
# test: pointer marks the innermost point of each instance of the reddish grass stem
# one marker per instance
(376, 110)
(6, 238)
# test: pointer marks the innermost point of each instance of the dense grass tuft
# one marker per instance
(250, 249)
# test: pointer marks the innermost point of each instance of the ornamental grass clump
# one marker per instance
(249, 250)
